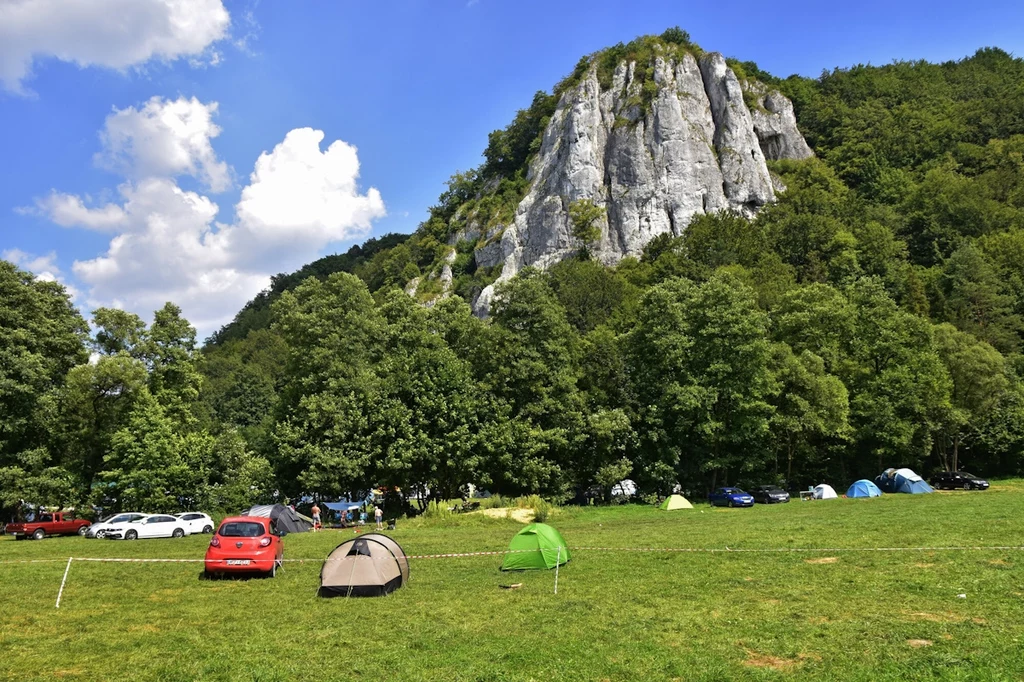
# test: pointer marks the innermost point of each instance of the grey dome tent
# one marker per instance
(902, 481)
(284, 519)
(370, 565)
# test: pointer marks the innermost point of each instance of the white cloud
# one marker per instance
(68, 210)
(165, 138)
(169, 246)
(43, 267)
(301, 198)
(116, 34)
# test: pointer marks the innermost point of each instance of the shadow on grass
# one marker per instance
(240, 577)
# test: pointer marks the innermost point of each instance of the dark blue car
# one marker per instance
(730, 497)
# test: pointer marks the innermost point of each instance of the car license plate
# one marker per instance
(238, 562)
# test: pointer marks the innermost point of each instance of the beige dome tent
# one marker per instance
(370, 565)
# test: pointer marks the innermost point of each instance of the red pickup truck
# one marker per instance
(56, 523)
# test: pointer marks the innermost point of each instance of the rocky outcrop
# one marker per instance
(775, 125)
(652, 164)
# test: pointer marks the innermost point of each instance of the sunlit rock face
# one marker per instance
(695, 148)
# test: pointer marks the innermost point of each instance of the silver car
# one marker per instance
(99, 529)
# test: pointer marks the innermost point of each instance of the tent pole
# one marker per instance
(558, 562)
(352, 573)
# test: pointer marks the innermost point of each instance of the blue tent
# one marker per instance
(863, 488)
(902, 481)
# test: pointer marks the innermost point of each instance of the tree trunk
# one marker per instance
(790, 449)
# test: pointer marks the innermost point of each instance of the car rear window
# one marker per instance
(241, 529)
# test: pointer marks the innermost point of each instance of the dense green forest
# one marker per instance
(872, 317)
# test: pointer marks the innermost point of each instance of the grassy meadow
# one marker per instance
(617, 615)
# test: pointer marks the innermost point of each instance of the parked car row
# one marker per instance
(734, 497)
(771, 494)
(135, 526)
(127, 526)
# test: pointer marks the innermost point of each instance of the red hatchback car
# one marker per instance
(244, 544)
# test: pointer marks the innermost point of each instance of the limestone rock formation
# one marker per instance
(694, 147)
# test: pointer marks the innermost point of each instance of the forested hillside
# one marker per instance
(871, 317)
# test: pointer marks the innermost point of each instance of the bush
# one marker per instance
(436, 510)
(493, 502)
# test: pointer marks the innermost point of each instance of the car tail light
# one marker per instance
(265, 542)
(215, 542)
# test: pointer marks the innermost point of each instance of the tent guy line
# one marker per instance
(695, 550)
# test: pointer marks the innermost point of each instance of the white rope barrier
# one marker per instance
(458, 555)
(64, 580)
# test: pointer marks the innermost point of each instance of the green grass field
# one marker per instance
(617, 615)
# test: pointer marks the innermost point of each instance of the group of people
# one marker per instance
(378, 517)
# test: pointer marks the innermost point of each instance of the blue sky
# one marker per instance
(414, 85)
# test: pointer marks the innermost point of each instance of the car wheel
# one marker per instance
(131, 535)
(39, 534)
(83, 530)
(273, 569)
(207, 530)
(177, 533)
(730, 503)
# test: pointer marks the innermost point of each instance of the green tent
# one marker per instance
(535, 547)
(675, 502)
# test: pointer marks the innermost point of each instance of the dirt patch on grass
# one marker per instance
(823, 560)
(520, 515)
(144, 628)
(756, 660)
(918, 643)
(1000, 562)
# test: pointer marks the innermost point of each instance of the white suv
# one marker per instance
(197, 522)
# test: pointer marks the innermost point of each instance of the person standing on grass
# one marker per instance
(378, 516)
(316, 516)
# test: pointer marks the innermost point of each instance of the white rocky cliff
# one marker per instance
(695, 148)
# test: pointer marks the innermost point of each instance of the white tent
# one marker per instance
(624, 488)
(824, 492)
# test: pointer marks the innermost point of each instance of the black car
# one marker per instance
(957, 480)
(769, 494)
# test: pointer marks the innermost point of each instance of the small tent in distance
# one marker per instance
(863, 488)
(283, 519)
(624, 488)
(675, 502)
(823, 491)
(902, 481)
(370, 565)
(537, 546)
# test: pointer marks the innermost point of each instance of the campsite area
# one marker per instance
(621, 615)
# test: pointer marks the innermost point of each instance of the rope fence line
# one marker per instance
(459, 555)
